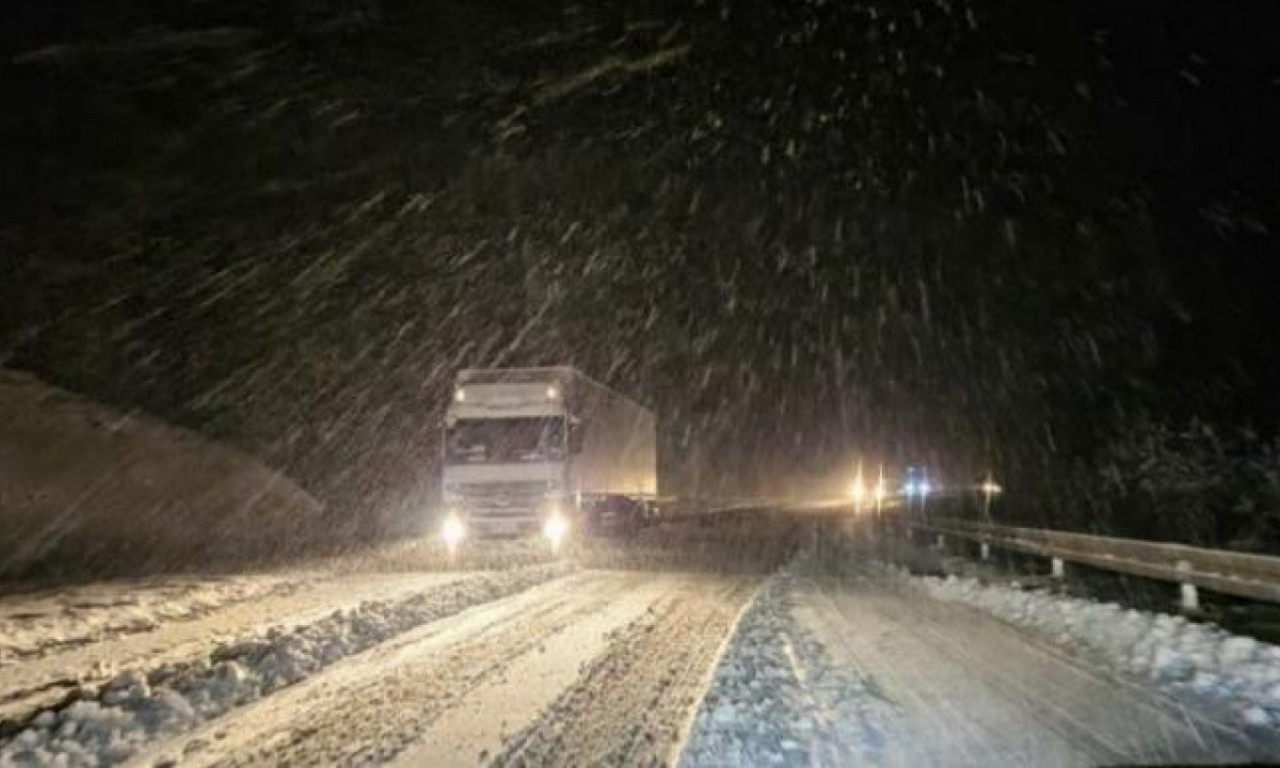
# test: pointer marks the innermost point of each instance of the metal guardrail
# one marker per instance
(1232, 573)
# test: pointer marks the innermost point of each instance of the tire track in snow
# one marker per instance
(632, 703)
(441, 694)
(776, 698)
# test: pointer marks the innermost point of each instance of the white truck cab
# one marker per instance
(543, 450)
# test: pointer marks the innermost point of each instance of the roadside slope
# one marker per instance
(83, 487)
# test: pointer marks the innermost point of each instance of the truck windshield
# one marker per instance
(493, 441)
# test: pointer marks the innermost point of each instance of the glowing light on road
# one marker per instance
(556, 529)
(460, 395)
(858, 491)
(553, 393)
(453, 531)
(989, 488)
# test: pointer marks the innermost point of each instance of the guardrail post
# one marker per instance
(1059, 568)
(984, 551)
(1190, 595)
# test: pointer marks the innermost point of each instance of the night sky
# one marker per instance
(974, 235)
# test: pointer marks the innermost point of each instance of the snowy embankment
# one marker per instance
(107, 725)
(86, 489)
(1184, 658)
(777, 699)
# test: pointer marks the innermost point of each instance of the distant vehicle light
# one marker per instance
(453, 531)
(991, 488)
(553, 393)
(858, 491)
(915, 482)
(556, 528)
(921, 488)
(460, 395)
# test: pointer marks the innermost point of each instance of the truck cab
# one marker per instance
(531, 451)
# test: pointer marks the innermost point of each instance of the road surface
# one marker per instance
(963, 689)
(556, 665)
(455, 693)
(98, 630)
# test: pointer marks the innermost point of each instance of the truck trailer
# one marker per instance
(544, 451)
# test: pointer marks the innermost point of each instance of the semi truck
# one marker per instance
(544, 451)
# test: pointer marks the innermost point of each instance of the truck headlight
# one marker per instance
(556, 528)
(453, 530)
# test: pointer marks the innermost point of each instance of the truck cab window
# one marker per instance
(493, 441)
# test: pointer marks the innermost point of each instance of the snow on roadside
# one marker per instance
(32, 624)
(1184, 658)
(106, 726)
(776, 699)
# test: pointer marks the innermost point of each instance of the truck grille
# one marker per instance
(510, 498)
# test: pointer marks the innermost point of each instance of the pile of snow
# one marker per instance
(106, 726)
(1183, 657)
(776, 699)
(33, 623)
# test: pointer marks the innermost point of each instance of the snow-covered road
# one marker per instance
(963, 689)
(869, 669)
(617, 652)
(553, 664)
(531, 666)
(86, 641)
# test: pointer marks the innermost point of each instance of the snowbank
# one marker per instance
(108, 725)
(1185, 658)
(83, 485)
(31, 624)
(776, 699)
